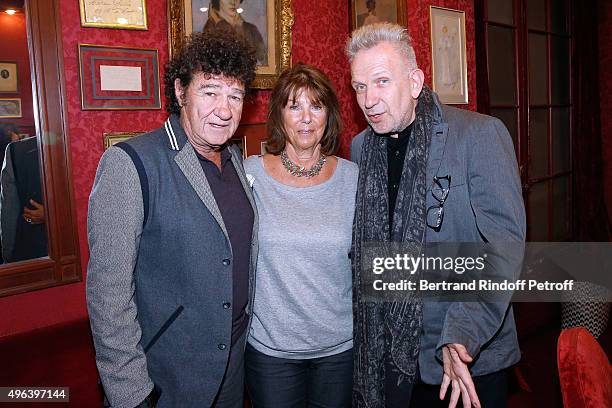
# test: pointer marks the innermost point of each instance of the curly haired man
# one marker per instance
(172, 235)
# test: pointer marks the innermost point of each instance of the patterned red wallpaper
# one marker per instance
(86, 128)
(319, 35)
(605, 95)
(418, 25)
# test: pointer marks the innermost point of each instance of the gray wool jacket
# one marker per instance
(159, 275)
(484, 205)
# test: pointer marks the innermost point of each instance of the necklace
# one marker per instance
(301, 171)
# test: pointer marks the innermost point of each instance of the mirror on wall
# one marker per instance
(37, 222)
(23, 232)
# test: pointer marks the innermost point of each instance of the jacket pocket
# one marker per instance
(164, 327)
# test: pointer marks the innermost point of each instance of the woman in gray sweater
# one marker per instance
(299, 350)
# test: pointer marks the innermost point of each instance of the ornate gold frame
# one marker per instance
(85, 23)
(283, 23)
(113, 138)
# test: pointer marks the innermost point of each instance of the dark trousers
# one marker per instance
(492, 390)
(324, 382)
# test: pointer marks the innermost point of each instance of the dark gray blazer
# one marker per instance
(157, 293)
(484, 204)
(20, 180)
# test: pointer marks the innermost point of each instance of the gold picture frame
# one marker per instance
(276, 35)
(448, 55)
(10, 108)
(112, 138)
(392, 11)
(9, 77)
(124, 15)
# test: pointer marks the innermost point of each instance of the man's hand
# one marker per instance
(456, 372)
(36, 215)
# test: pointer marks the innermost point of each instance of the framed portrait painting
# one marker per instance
(8, 77)
(265, 23)
(365, 12)
(449, 61)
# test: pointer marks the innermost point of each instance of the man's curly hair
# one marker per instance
(218, 51)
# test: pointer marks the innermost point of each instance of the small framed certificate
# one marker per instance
(122, 14)
(118, 78)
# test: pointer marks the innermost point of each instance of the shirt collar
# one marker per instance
(402, 137)
(226, 156)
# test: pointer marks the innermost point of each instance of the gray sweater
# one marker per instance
(303, 291)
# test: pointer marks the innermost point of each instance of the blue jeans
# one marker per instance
(324, 382)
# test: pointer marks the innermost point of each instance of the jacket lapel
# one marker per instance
(237, 162)
(188, 162)
(437, 144)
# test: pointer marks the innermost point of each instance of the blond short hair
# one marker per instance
(369, 36)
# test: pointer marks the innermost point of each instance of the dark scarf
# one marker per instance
(389, 330)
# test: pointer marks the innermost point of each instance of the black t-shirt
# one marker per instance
(396, 153)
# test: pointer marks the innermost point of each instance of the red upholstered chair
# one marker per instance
(584, 370)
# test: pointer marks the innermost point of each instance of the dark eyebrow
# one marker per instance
(205, 86)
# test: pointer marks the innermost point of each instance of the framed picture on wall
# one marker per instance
(9, 82)
(449, 61)
(114, 78)
(252, 137)
(365, 12)
(122, 14)
(241, 143)
(10, 108)
(266, 23)
(112, 138)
